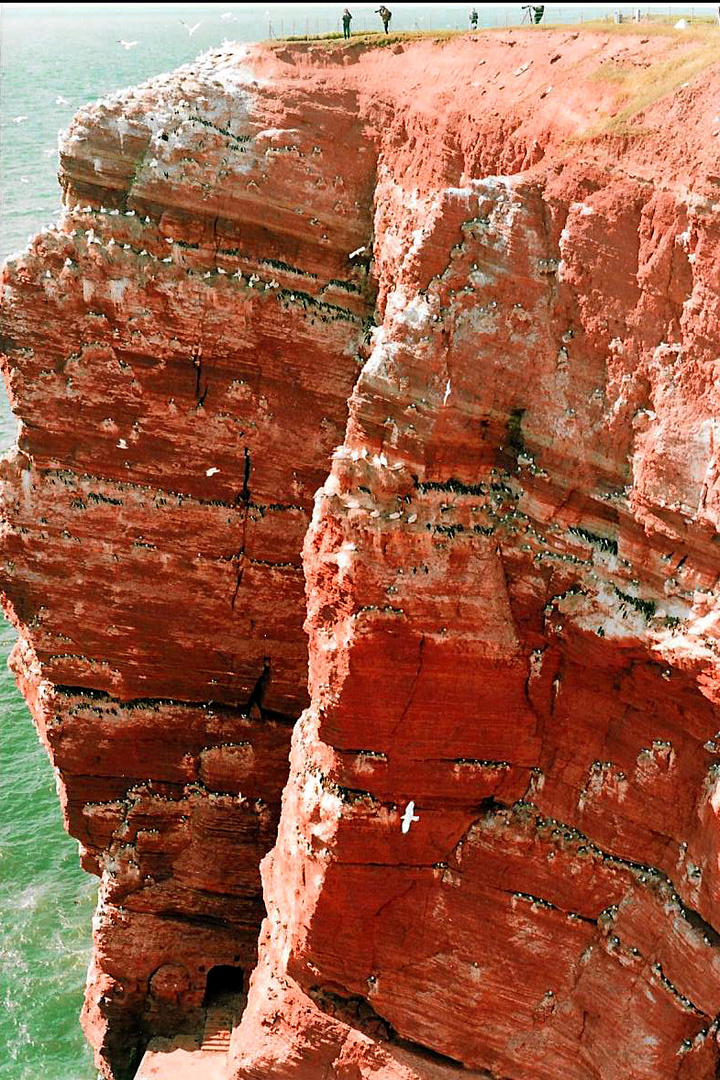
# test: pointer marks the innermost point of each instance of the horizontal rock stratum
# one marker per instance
(469, 290)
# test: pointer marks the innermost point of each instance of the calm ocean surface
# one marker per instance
(54, 58)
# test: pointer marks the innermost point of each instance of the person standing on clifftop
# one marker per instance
(473, 19)
(346, 19)
(386, 15)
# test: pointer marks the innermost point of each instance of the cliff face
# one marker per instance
(180, 353)
(511, 568)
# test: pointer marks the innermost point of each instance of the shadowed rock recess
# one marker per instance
(468, 290)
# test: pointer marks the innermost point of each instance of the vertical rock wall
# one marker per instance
(179, 352)
(511, 568)
(512, 613)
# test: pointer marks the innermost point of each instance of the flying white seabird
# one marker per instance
(408, 817)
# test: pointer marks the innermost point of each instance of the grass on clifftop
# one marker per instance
(700, 28)
(640, 87)
(370, 39)
(689, 52)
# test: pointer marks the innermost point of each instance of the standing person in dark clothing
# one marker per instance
(473, 19)
(347, 19)
(386, 15)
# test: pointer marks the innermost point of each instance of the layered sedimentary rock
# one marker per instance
(511, 568)
(512, 612)
(179, 352)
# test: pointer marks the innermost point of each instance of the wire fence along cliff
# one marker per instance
(489, 17)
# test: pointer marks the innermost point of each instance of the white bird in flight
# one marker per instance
(191, 29)
(60, 100)
(19, 119)
(229, 15)
(127, 44)
(408, 817)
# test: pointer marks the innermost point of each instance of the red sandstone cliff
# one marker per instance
(511, 569)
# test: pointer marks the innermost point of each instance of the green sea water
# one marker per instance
(54, 58)
(47, 905)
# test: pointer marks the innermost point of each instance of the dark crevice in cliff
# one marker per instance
(239, 558)
(244, 499)
(698, 923)
(514, 442)
(681, 999)
(200, 391)
(220, 709)
(357, 1012)
(245, 493)
(209, 922)
(255, 701)
(539, 901)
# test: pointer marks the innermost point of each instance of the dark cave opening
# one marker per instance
(223, 980)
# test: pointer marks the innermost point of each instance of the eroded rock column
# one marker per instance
(179, 351)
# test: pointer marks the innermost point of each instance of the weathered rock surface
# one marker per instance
(511, 569)
(180, 352)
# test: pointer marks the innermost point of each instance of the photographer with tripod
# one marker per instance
(533, 13)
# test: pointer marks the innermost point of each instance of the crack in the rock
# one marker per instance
(210, 922)
(245, 493)
(196, 357)
(640, 871)
(134, 704)
(67, 476)
(244, 499)
(657, 970)
(255, 701)
(239, 557)
(548, 905)
(357, 1012)
(413, 688)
